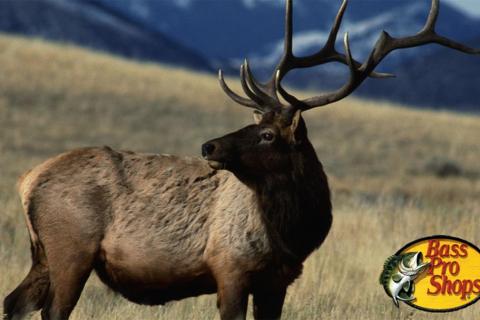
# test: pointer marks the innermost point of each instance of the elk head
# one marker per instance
(279, 129)
(259, 148)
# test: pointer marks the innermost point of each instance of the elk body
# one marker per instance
(158, 228)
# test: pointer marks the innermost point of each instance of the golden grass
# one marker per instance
(57, 97)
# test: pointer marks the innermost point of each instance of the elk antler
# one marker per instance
(264, 97)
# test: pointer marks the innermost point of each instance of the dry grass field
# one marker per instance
(388, 168)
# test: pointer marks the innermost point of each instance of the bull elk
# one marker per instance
(158, 228)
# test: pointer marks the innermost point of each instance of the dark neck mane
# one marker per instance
(296, 206)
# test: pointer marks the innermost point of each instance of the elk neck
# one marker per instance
(295, 205)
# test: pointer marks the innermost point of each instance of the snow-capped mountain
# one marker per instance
(234, 29)
(226, 31)
(83, 24)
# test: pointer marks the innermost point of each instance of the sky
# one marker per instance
(469, 6)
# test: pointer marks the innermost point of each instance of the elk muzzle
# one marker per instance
(209, 153)
(207, 149)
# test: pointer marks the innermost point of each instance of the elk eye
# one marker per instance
(267, 136)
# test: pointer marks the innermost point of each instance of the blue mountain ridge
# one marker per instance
(227, 31)
(208, 34)
(82, 23)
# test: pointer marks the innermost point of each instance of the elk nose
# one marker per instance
(207, 149)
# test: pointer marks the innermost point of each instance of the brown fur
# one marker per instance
(158, 228)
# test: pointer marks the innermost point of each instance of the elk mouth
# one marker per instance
(217, 165)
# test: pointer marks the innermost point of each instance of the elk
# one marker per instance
(158, 228)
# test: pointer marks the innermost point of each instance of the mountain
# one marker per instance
(82, 23)
(229, 30)
(207, 34)
(233, 29)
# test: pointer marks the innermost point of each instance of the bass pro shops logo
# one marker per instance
(435, 274)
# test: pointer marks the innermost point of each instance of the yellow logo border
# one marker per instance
(447, 238)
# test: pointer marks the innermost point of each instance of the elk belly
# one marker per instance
(150, 275)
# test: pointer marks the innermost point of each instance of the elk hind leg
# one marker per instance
(68, 277)
(30, 295)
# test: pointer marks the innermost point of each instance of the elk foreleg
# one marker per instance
(232, 295)
(268, 302)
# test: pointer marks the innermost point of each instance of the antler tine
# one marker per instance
(235, 97)
(348, 52)
(287, 61)
(288, 50)
(264, 92)
(386, 44)
(432, 16)
(247, 90)
(332, 37)
(455, 45)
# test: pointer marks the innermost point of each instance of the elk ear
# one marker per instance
(294, 125)
(295, 121)
(257, 116)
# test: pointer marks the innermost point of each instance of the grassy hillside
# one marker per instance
(386, 164)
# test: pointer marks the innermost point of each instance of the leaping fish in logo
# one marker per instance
(399, 273)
